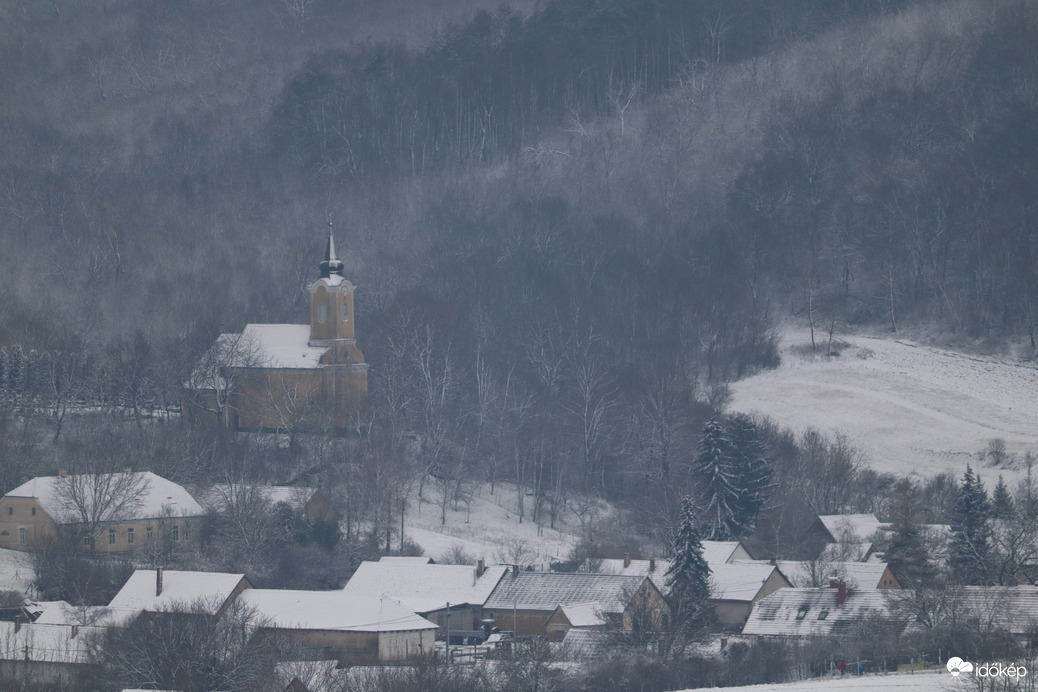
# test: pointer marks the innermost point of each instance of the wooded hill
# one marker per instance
(579, 207)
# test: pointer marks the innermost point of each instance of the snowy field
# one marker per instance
(490, 526)
(16, 573)
(924, 681)
(911, 408)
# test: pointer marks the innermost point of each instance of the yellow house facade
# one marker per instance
(147, 509)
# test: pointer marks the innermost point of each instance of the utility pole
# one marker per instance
(448, 632)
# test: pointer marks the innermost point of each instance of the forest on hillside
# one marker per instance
(571, 223)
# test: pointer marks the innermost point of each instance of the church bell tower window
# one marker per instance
(322, 313)
(345, 312)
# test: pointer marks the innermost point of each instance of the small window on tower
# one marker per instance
(345, 312)
(322, 313)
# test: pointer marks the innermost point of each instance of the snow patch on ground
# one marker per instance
(922, 681)
(912, 409)
(489, 525)
(16, 572)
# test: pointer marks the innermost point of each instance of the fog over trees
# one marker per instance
(571, 223)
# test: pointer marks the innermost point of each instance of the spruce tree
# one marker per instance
(970, 545)
(907, 553)
(1001, 501)
(753, 472)
(717, 482)
(689, 575)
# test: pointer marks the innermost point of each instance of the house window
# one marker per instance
(802, 613)
(322, 313)
(187, 532)
(111, 536)
(23, 537)
(176, 532)
(34, 511)
(823, 615)
(10, 511)
(129, 535)
(86, 540)
(147, 534)
(345, 312)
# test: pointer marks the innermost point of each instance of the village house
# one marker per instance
(1013, 609)
(452, 596)
(831, 611)
(858, 575)
(348, 628)
(287, 377)
(165, 590)
(842, 537)
(523, 602)
(37, 656)
(736, 581)
(129, 510)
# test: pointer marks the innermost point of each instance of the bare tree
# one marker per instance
(187, 647)
(90, 501)
(212, 386)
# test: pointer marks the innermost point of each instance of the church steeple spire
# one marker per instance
(331, 264)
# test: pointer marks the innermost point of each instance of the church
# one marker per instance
(287, 377)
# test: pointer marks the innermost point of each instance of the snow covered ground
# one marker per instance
(912, 408)
(490, 527)
(923, 681)
(16, 573)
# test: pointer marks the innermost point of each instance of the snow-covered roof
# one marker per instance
(547, 590)
(813, 612)
(332, 610)
(1013, 608)
(44, 643)
(279, 346)
(636, 568)
(209, 590)
(847, 551)
(257, 346)
(406, 560)
(64, 613)
(158, 497)
(584, 614)
(858, 575)
(424, 587)
(217, 497)
(580, 643)
(842, 526)
(739, 581)
(720, 552)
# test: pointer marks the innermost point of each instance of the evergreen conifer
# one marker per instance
(689, 575)
(970, 545)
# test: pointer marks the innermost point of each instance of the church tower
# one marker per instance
(333, 326)
(331, 301)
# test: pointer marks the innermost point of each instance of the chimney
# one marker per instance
(481, 567)
(17, 623)
(652, 564)
(158, 582)
(841, 590)
(627, 560)
(515, 570)
(773, 562)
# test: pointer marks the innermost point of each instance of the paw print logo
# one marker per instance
(956, 665)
